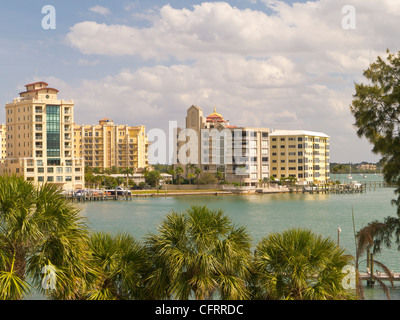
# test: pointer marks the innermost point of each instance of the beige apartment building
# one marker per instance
(241, 154)
(108, 145)
(303, 155)
(2, 141)
(39, 132)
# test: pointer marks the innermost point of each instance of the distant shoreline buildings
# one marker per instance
(41, 142)
(249, 155)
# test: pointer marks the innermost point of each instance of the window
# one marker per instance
(59, 178)
(53, 130)
(53, 162)
(50, 179)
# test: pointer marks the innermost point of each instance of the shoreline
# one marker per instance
(346, 188)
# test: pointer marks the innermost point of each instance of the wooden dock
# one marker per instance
(341, 188)
(380, 275)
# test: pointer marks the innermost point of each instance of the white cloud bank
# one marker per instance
(291, 69)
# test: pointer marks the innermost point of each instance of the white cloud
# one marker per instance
(100, 10)
(292, 69)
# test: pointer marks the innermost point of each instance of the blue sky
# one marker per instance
(269, 63)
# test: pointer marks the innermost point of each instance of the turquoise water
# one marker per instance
(262, 214)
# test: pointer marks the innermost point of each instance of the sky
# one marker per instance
(260, 63)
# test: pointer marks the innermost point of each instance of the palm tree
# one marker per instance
(369, 240)
(171, 171)
(297, 264)
(39, 228)
(189, 171)
(120, 264)
(219, 175)
(179, 171)
(199, 254)
(197, 172)
(127, 171)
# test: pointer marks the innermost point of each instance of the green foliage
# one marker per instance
(297, 264)
(196, 254)
(39, 227)
(119, 263)
(153, 178)
(199, 254)
(376, 109)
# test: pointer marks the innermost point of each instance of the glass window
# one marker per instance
(53, 130)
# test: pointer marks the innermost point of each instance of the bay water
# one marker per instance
(263, 214)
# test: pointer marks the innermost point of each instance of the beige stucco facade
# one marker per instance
(39, 132)
(241, 154)
(300, 154)
(3, 141)
(108, 145)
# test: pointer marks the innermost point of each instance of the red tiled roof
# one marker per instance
(46, 88)
(30, 84)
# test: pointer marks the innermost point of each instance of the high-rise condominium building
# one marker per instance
(108, 145)
(2, 141)
(303, 155)
(39, 133)
(240, 154)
